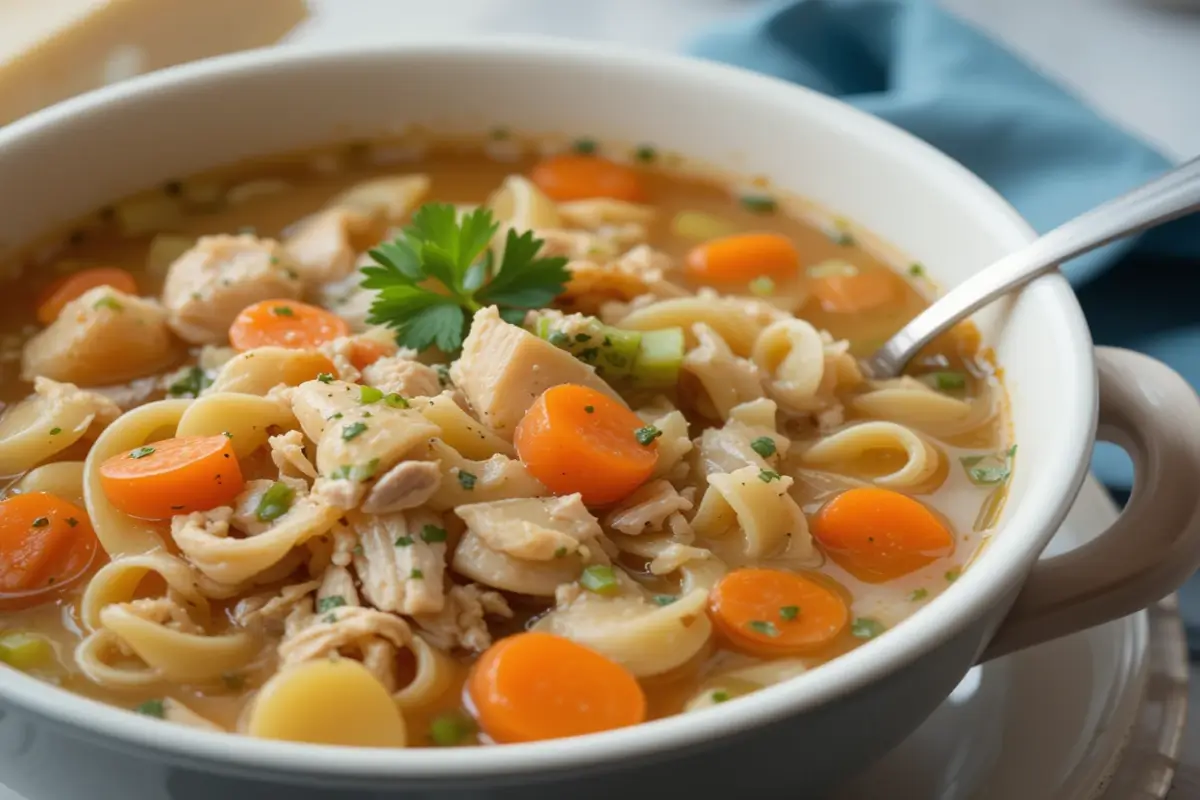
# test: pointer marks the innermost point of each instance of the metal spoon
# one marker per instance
(1168, 196)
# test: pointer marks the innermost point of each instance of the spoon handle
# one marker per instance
(1168, 196)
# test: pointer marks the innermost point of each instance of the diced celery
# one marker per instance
(612, 351)
(659, 358)
(700, 226)
(26, 651)
(164, 249)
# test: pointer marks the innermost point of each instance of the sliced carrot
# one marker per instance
(575, 439)
(46, 545)
(535, 686)
(173, 476)
(772, 612)
(877, 534)
(285, 323)
(856, 292)
(572, 176)
(67, 288)
(743, 257)
(365, 352)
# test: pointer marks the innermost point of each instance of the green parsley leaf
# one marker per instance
(72, 521)
(647, 435)
(916, 270)
(325, 377)
(762, 286)
(585, 146)
(432, 534)
(946, 381)
(953, 574)
(141, 452)
(108, 301)
(356, 472)
(759, 203)
(719, 696)
(352, 430)
(599, 578)
(152, 708)
(275, 502)
(560, 552)
(764, 446)
(41, 522)
(590, 409)
(416, 575)
(918, 595)
(768, 475)
(369, 394)
(330, 603)
(763, 627)
(466, 480)
(191, 384)
(664, 599)
(450, 729)
(789, 613)
(394, 400)
(404, 541)
(645, 154)
(866, 628)
(55, 431)
(990, 469)
(283, 311)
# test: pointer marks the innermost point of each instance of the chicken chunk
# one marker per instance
(102, 337)
(407, 485)
(403, 562)
(535, 529)
(461, 621)
(325, 246)
(504, 369)
(404, 376)
(208, 286)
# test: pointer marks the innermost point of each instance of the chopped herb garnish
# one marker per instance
(275, 502)
(141, 452)
(325, 377)
(358, 550)
(330, 603)
(561, 552)
(55, 431)
(585, 146)
(762, 286)
(356, 472)
(768, 475)
(719, 696)
(599, 578)
(416, 574)
(763, 627)
(335, 415)
(283, 311)
(394, 400)
(438, 247)
(664, 599)
(645, 154)
(559, 339)
(404, 541)
(191, 384)
(842, 238)
(918, 594)
(466, 480)
(866, 628)
(329, 619)
(227, 434)
(72, 521)
(369, 394)
(152, 708)
(789, 613)
(590, 409)
(108, 301)
(952, 574)
(946, 381)
(916, 270)
(432, 534)
(583, 337)
(352, 430)
(759, 204)
(647, 435)
(450, 729)
(991, 469)
(764, 446)
(41, 522)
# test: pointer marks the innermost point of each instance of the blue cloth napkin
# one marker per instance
(1051, 156)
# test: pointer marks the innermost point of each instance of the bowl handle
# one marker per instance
(1154, 546)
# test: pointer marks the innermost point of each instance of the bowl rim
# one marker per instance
(1006, 560)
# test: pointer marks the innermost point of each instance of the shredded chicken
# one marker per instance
(287, 453)
(404, 376)
(640, 271)
(270, 610)
(535, 529)
(65, 399)
(345, 626)
(323, 248)
(674, 556)
(403, 562)
(337, 588)
(461, 622)
(647, 509)
(409, 484)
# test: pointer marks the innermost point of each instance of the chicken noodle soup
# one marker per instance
(471, 450)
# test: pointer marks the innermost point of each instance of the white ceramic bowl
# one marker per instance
(801, 736)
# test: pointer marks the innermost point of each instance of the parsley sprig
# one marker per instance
(441, 268)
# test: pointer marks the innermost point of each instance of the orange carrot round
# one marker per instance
(571, 176)
(285, 323)
(55, 296)
(856, 292)
(535, 686)
(877, 534)
(576, 439)
(365, 352)
(771, 612)
(173, 476)
(743, 257)
(46, 545)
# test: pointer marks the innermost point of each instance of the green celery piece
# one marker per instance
(612, 351)
(26, 651)
(659, 358)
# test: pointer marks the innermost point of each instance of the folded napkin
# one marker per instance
(1051, 156)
